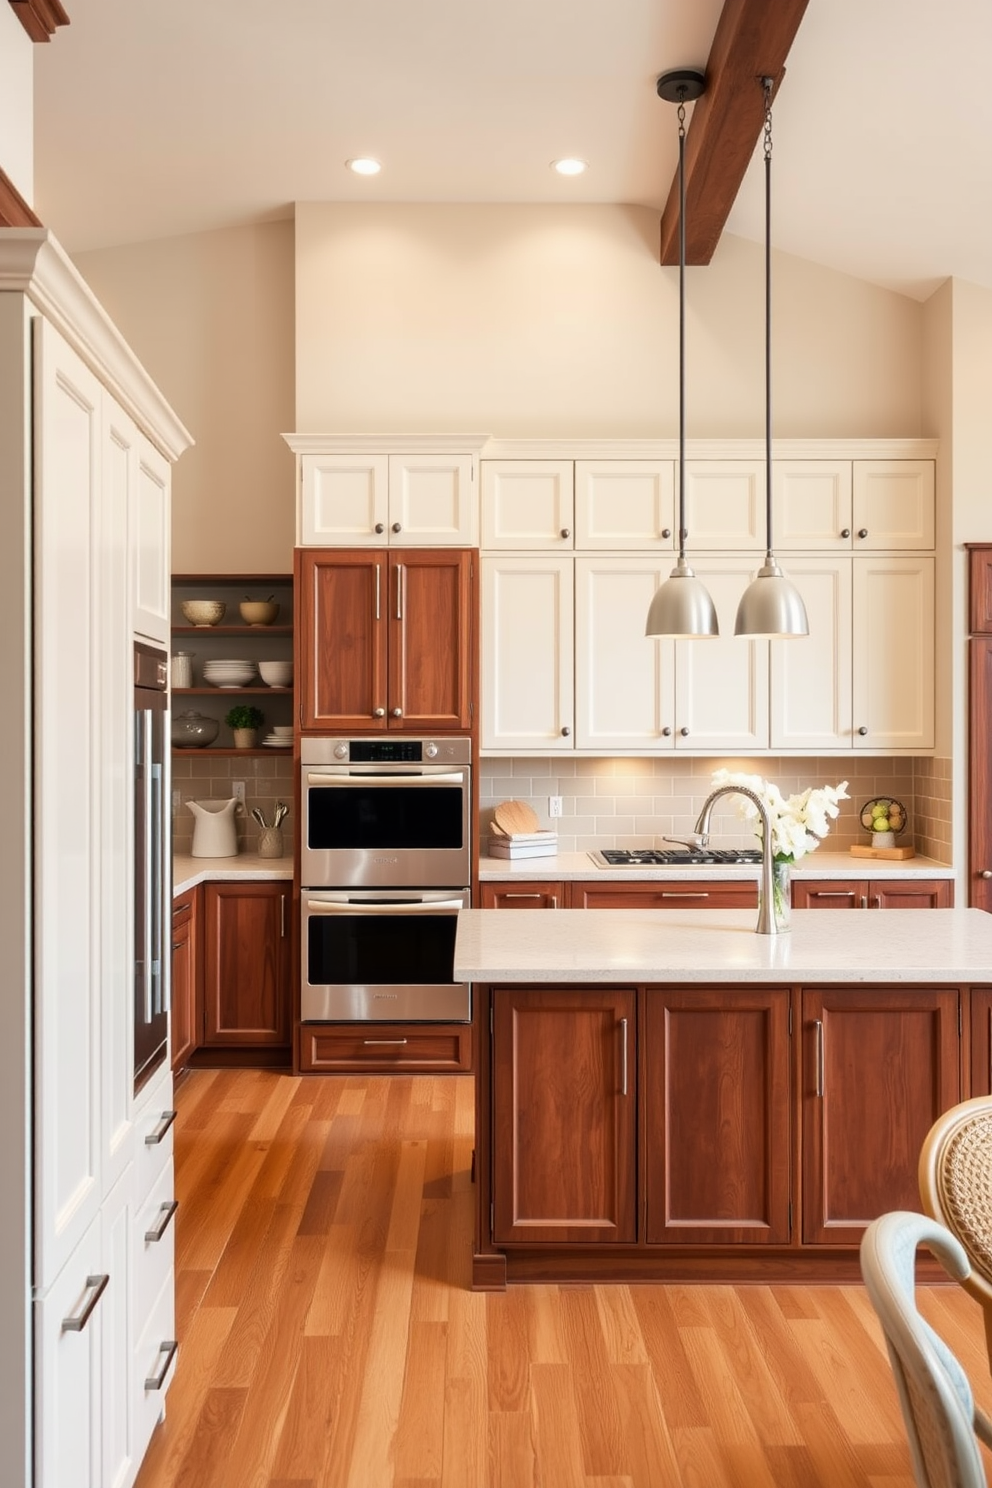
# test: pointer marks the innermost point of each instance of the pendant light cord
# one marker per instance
(682, 325)
(767, 85)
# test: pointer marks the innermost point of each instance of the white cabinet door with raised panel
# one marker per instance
(811, 675)
(67, 1010)
(68, 1334)
(527, 654)
(624, 504)
(725, 505)
(528, 504)
(433, 501)
(344, 501)
(721, 683)
(893, 504)
(624, 682)
(893, 664)
(811, 505)
(149, 524)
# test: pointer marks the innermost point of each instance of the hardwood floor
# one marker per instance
(329, 1338)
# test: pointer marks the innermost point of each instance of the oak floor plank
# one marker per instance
(329, 1337)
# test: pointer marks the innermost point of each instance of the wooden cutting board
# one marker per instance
(891, 853)
(516, 816)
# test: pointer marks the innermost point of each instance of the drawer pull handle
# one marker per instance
(686, 894)
(384, 1041)
(168, 1350)
(166, 1212)
(154, 1137)
(834, 894)
(76, 1321)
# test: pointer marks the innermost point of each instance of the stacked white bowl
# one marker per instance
(276, 673)
(231, 673)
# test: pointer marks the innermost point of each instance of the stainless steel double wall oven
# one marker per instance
(385, 866)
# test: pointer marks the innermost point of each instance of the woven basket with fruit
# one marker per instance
(885, 818)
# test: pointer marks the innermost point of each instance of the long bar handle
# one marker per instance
(623, 1066)
(835, 894)
(679, 894)
(385, 1041)
(282, 916)
(378, 592)
(437, 906)
(95, 1288)
(166, 1211)
(168, 1349)
(386, 782)
(552, 897)
(818, 1027)
(158, 1133)
(399, 591)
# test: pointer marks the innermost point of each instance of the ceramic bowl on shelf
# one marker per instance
(192, 730)
(228, 673)
(204, 612)
(276, 673)
(259, 611)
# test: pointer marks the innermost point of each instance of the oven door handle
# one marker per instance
(430, 906)
(396, 782)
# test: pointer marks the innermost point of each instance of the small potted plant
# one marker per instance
(243, 721)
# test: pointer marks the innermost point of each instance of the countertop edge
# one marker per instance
(187, 872)
(573, 866)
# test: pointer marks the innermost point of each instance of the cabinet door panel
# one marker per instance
(718, 1126)
(432, 631)
(878, 1069)
(910, 893)
(893, 504)
(981, 1041)
(184, 1034)
(341, 637)
(526, 895)
(564, 1114)
(811, 675)
(624, 683)
(725, 506)
(980, 589)
(151, 542)
(812, 505)
(343, 499)
(527, 653)
(893, 679)
(980, 773)
(246, 964)
(528, 504)
(689, 894)
(433, 500)
(721, 684)
(625, 504)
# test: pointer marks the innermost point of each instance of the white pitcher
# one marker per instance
(215, 834)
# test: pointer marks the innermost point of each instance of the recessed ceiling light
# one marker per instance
(570, 166)
(364, 166)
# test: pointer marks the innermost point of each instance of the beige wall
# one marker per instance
(550, 320)
(16, 103)
(211, 317)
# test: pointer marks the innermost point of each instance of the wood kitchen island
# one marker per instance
(670, 1096)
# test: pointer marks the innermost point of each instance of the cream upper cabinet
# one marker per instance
(624, 683)
(528, 504)
(811, 505)
(624, 504)
(893, 661)
(810, 690)
(151, 544)
(893, 504)
(527, 654)
(721, 683)
(374, 499)
(725, 505)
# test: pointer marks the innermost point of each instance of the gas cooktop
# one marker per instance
(663, 857)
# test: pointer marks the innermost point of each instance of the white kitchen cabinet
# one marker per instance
(721, 682)
(528, 504)
(725, 506)
(893, 505)
(810, 688)
(625, 505)
(853, 505)
(420, 499)
(86, 442)
(893, 662)
(811, 506)
(527, 654)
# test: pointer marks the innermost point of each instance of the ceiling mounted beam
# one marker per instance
(40, 18)
(752, 41)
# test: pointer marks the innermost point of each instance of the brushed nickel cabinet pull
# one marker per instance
(399, 590)
(818, 1025)
(666, 732)
(845, 532)
(397, 527)
(684, 732)
(686, 894)
(378, 712)
(565, 532)
(864, 901)
(168, 1350)
(877, 901)
(156, 1135)
(378, 592)
(623, 1085)
(166, 1211)
(986, 873)
(565, 732)
(863, 730)
(282, 916)
(510, 895)
(834, 894)
(95, 1288)
(397, 712)
(385, 1041)
(666, 531)
(862, 531)
(380, 529)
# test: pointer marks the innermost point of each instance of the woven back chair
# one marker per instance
(934, 1394)
(955, 1177)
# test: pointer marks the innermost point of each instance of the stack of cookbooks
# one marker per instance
(516, 833)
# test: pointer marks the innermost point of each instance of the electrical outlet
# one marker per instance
(554, 805)
(177, 800)
(238, 791)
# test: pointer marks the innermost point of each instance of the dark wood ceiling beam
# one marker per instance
(40, 18)
(752, 41)
(14, 210)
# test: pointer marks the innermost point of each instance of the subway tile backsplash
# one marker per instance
(201, 776)
(635, 802)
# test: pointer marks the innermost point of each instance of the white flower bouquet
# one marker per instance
(798, 823)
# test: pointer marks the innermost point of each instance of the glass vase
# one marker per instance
(781, 893)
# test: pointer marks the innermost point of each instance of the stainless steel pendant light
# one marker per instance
(682, 605)
(770, 605)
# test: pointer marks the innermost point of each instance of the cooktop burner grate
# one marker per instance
(660, 857)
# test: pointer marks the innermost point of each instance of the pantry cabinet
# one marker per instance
(386, 640)
(247, 965)
(373, 497)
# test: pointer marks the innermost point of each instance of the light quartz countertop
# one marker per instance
(187, 872)
(819, 864)
(924, 946)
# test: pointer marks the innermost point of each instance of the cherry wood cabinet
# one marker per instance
(872, 893)
(717, 1122)
(247, 964)
(381, 1048)
(564, 1115)
(980, 1060)
(186, 1014)
(686, 894)
(547, 894)
(879, 1066)
(980, 728)
(386, 640)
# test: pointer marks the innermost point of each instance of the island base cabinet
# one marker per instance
(879, 1067)
(980, 1052)
(564, 1115)
(716, 1075)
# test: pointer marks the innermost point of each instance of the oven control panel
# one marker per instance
(379, 751)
